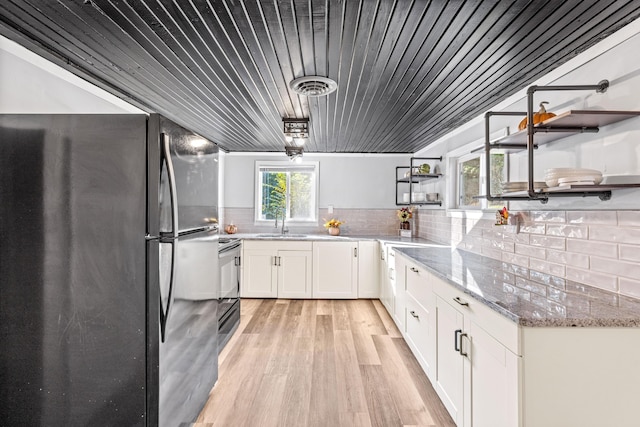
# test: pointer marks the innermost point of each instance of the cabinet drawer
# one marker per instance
(420, 333)
(500, 327)
(295, 245)
(420, 285)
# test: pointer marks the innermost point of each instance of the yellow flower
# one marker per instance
(332, 223)
(405, 214)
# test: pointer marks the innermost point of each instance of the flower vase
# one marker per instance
(334, 231)
(405, 225)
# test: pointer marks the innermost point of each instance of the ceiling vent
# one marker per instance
(313, 85)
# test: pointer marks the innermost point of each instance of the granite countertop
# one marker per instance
(528, 297)
(393, 239)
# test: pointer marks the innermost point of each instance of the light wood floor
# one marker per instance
(320, 363)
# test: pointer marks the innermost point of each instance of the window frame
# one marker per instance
(484, 203)
(286, 166)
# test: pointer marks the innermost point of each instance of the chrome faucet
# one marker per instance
(284, 229)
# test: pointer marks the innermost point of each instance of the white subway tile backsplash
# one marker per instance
(522, 238)
(630, 287)
(547, 216)
(573, 231)
(615, 234)
(547, 267)
(533, 228)
(516, 259)
(597, 248)
(592, 217)
(629, 218)
(629, 252)
(547, 242)
(531, 251)
(588, 277)
(615, 268)
(609, 250)
(559, 256)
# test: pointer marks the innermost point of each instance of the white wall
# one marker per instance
(614, 150)
(347, 181)
(31, 84)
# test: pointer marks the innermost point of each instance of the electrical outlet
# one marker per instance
(330, 209)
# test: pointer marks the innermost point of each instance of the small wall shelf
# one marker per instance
(415, 178)
(561, 126)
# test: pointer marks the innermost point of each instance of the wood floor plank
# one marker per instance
(359, 419)
(365, 318)
(340, 313)
(322, 409)
(410, 406)
(308, 319)
(382, 410)
(365, 349)
(295, 307)
(270, 395)
(297, 396)
(351, 396)
(424, 387)
(387, 321)
(324, 307)
(259, 317)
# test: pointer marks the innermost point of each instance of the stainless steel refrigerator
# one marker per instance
(96, 328)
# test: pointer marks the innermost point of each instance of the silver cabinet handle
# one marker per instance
(461, 302)
(413, 313)
(415, 270)
(355, 252)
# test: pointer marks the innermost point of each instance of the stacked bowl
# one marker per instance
(572, 176)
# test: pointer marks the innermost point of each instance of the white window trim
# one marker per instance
(482, 178)
(258, 193)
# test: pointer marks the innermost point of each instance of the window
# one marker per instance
(471, 180)
(283, 188)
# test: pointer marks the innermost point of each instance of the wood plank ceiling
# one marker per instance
(408, 71)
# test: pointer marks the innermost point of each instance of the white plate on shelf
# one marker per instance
(581, 180)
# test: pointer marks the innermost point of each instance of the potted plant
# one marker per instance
(333, 226)
(405, 214)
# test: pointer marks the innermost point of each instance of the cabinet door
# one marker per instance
(491, 381)
(399, 301)
(259, 274)
(368, 269)
(421, 334)
(450, 364)
(335, 270)
(385, 281)
(294, 274)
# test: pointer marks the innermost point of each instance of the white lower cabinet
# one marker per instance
(387, 276)
(368, 269)
(448, 378)
(294, 274)
(490, 381)
(467, 350)
(335, 269)
(276, 269)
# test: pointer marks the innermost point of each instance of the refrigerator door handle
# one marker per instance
(166, 158)
(164, 311)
